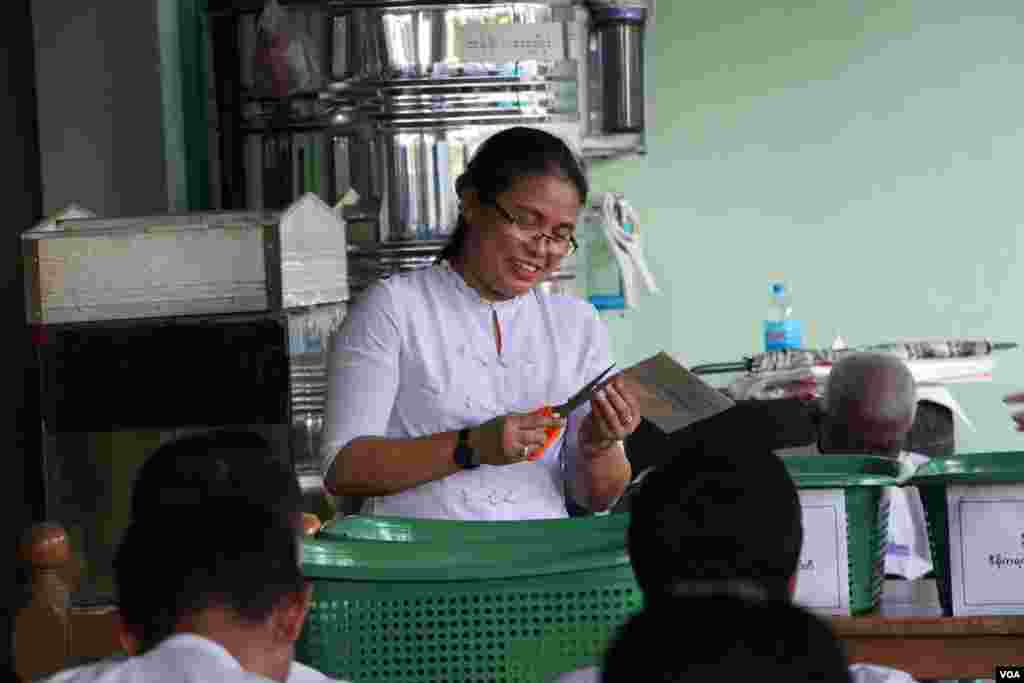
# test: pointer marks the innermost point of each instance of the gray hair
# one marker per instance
(870, 405)
(878, 386)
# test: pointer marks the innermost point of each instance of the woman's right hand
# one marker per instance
(509, 439)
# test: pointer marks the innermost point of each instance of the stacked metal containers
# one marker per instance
(406, 91)
(418, 87)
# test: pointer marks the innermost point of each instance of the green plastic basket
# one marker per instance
(519, 604)
(411, 530)
(932, 479)
(863, 480)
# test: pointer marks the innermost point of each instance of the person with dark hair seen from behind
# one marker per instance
(732, 639)
(722, 520)
(209, 466)
(233, 600)
(435, 376)
(208, 572)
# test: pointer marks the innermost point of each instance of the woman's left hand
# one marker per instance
(614, 415)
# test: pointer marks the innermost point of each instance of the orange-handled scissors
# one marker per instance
(581, 396)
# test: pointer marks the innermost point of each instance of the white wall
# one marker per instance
(100, 112)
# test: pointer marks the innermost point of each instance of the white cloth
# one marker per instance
(873, 673)
(859, 673)
(187, 658)
(417, 356)
(908, 553)
(625, 246)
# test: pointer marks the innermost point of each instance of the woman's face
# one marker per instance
(503, 258)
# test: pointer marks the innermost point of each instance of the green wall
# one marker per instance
(869, 153)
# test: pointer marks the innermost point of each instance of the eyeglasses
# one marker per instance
(563, 241)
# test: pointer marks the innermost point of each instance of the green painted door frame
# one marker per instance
(184, 68)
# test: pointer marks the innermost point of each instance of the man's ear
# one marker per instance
(290, 614)
(129, 643)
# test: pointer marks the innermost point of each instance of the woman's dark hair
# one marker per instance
(504, 158)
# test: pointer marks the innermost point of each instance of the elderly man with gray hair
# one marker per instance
(870, 403)
(869, 407)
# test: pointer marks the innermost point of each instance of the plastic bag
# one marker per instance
(287, 59)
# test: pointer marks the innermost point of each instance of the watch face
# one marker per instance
(466, 457)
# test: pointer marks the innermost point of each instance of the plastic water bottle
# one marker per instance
(781, 330)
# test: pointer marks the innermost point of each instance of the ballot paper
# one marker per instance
(671, 396)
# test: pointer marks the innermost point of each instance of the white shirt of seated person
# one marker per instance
(185, 657)
(859, 673)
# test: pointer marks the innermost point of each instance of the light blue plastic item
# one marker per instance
(603, 276)
(781, 330)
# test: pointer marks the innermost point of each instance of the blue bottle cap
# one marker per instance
(778, 288)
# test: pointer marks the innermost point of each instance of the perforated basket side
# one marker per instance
(867, 532)
(521, 630)
(936, 514)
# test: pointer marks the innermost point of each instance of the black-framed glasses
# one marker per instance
(562, 240)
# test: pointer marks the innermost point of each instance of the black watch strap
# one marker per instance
(465, 456)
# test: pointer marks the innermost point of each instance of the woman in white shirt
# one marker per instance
(435, 374)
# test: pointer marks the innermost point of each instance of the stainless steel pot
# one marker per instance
(403, 166)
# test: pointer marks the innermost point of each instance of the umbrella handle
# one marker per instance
(716, 368)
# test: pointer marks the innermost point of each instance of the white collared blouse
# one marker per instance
(417, 356)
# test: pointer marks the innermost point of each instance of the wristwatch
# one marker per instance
(465, 456)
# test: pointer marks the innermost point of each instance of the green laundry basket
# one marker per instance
(516, 605)
(932, 479)
(412, 530)
(862, 479)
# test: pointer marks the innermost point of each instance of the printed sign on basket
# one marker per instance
(823, 576)
(986, 548)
